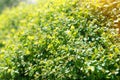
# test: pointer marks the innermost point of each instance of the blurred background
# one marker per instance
(12, 3)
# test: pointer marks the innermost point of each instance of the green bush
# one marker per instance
(59, 40)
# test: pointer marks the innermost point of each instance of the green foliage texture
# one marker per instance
(60, 40)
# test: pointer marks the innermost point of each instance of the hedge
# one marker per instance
(60, 40)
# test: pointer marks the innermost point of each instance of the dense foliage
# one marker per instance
(60, 40)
